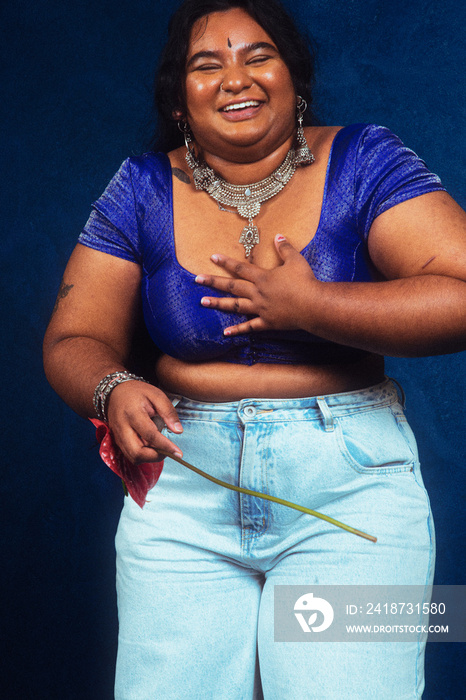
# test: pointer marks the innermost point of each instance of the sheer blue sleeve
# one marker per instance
(387, 173)
(113, 224)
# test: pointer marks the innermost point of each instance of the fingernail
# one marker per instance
(178, 427)
(205, 301)
(200, 279)
(280, 238)
(226, 332)
(178, 454)
(215, 258)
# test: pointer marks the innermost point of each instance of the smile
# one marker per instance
(241, 105)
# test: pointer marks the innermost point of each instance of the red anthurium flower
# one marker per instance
(138, 479)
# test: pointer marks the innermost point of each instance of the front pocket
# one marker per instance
(373, 442)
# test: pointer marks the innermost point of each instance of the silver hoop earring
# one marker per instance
(303, 155)
(192, 160)
(185, 129)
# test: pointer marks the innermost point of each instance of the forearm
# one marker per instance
(74, 366)
(410, 317)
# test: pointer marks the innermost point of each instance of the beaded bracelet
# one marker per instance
(106, 386)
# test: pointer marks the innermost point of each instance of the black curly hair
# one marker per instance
(296, 50)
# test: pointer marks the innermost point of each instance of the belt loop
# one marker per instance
(326, 414)
(401, 393)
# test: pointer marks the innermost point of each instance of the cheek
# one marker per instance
(285, 102)
(285, 85)
(198, 94)
(279, 84)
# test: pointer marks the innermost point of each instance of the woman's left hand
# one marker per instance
(417, 308)
(272, 296)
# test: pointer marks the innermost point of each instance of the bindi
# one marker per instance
(229, 43)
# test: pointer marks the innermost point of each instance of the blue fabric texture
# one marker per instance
(369, 171)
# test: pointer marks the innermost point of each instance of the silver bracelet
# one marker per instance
(106, 386)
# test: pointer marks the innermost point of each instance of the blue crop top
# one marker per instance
(369, 171)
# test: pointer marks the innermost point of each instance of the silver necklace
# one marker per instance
(246, 199)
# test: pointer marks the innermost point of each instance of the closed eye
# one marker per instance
(207, 67)
(259, 59)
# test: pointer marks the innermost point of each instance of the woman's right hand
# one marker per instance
(90, 336)
(131, 409)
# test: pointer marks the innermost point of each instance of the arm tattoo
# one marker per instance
(181, 175)
(62, 293)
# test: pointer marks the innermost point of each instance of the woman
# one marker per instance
(300, 408)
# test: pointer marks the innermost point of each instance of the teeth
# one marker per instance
(241, 105)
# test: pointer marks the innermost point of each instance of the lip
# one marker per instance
(239, 114)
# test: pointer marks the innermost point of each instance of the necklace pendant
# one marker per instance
(249, 238)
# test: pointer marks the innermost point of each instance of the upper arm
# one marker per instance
(99, 295)
(423, 235)
(411, 225)
(99, 299)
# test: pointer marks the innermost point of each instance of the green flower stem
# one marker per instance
(267, 497)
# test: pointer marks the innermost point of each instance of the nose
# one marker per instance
(236, 78)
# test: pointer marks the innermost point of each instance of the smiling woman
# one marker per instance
(271, 374)
(241, 102)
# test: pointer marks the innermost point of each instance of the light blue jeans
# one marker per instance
(196, 568)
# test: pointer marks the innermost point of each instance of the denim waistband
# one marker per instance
(383, 394)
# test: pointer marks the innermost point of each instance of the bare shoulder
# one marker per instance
(177, 157)
(320, 140)
(320, 137)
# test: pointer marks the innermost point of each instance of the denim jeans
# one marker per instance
(196, 568)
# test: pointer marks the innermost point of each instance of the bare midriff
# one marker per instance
(224, 381)
(202, 229)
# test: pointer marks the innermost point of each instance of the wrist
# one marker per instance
(105, 387)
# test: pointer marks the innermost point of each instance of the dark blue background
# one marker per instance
(76, 98)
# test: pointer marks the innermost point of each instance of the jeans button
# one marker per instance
(250, 411)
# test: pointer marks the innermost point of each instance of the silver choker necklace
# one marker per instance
(246, 199)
